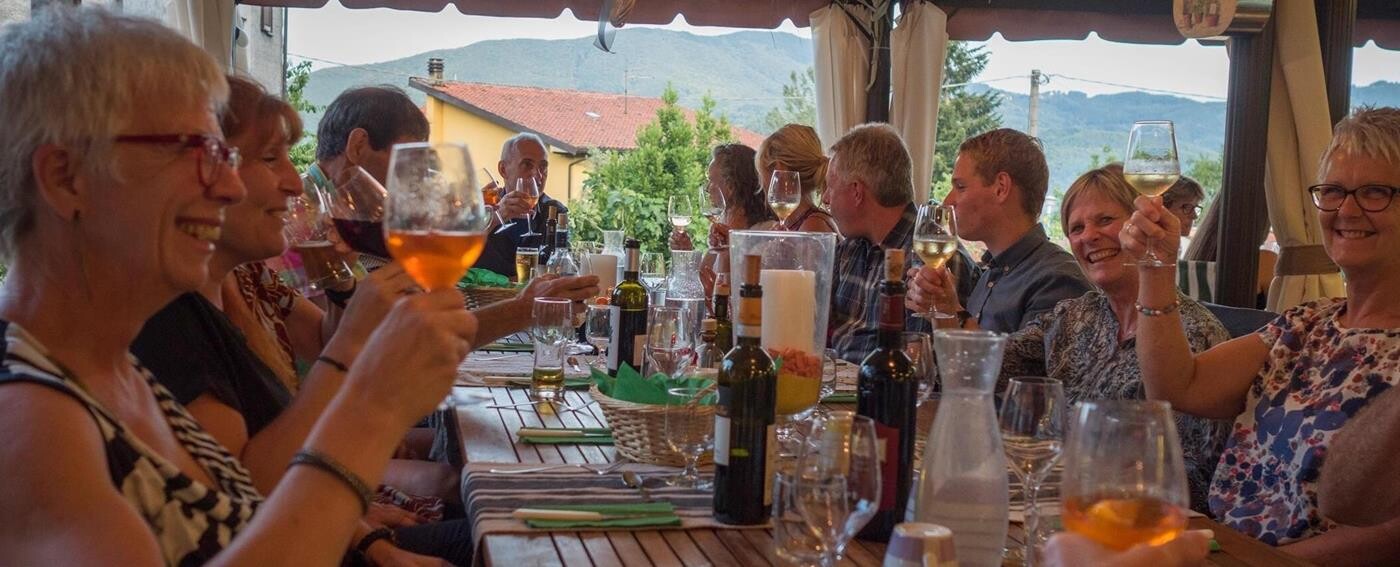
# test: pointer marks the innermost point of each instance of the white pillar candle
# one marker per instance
(605, 267)
(789, 309)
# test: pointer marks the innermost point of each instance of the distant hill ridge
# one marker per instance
(745, 73)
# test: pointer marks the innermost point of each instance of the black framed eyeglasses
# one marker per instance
(212, 155)
(1371, 198)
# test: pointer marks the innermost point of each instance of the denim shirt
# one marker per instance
(1028, 279)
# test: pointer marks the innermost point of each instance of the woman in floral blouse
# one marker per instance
(1088, 342)
(1292, 385)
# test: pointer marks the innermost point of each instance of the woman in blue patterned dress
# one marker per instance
(113, 184)
(1292, 385)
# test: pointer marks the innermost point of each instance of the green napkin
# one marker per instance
(582, 440)
(507, 347)
(842, 398)
(481, 277)
(664, 515)
(630, 386)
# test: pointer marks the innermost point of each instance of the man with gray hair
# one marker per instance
(870, 193)
(523, 157)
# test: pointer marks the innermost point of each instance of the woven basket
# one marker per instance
(639, 430)
(478, 297)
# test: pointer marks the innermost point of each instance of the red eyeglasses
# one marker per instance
(213, 152)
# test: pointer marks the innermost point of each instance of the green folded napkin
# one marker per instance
(481, 277)
(581, 440)
(658, 514)
(842, 398)
(630, 386)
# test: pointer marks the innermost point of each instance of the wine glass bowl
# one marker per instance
(307, 232)
(784, 194)
(935, 242)
(689, 431)
(1151, 167)
(838, 479)
(680, 209)
(669, 341)
(356, 201)
(1125, 479)
(529, 188)
(434, 219)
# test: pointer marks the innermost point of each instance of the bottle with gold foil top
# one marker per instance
(887, 392)
(744, 431)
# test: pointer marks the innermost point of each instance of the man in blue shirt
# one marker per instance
(999, 183)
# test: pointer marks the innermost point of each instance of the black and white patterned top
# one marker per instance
(1077, 344)
(191, 522)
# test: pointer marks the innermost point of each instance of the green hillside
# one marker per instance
(745, 73)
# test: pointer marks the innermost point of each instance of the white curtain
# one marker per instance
(842, 71)
(209, 24)
(919, 43)
(1299, 131)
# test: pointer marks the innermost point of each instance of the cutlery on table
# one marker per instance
(610, 467)
(563, 432)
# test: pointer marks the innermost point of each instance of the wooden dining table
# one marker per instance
(483, 434)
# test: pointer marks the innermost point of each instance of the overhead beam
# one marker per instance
(1245, 210)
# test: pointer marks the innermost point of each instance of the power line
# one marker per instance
(1134, 87)
(353, 66)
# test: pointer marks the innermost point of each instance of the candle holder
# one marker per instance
(796, 280)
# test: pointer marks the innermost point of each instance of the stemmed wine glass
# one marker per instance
(1151, 167)
(653, 274)
(935, 241)
(680, 209)
(356, 204)
(838, 479)
(670, 342)
(434, 219)
(919, 347)
(784, 194)
(1032, 424)
(308, 231)
(598, 329)
(690, 432)
(713, 198)
(1125, 479)
(529, 187)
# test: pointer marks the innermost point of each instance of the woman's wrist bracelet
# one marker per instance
(333, 363)
(1150, 312)
(335, 469)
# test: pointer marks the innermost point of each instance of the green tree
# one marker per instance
(304, 153)
(630, 189)
(799, 102)
(962, 113)
(1208, 171)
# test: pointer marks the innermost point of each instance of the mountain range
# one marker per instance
(745, 72)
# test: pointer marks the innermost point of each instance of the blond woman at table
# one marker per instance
(796, 147)
(1292, 385)
(112, 188)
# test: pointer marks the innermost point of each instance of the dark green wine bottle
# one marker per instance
(887, 393)
(744, 435)
(724, 329)
(629, 315)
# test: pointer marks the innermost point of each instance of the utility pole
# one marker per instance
(1037, 79)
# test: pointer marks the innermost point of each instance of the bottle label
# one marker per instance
(887, 446)
(721, 440)
(614, 322)
(639, 349)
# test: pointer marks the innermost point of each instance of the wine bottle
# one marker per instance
(887, 392)
(708, 355)
(724, 329)
(629, 314)
(745, 446)
(550, 227)
(561, 260)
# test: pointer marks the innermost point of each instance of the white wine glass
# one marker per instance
(784, 194)
(653, 272)
(838, 479)
(919, 347)
(689, 431)
(669, 341)
(598, 329)
(529, 187)
(1124, 481)
(1032, 424)
(680, 209)
(1151, 167)
(936, 241)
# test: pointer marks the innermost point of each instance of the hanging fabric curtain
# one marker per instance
(842, 69)
(1298, 135)
(207, 23)
(920, 44)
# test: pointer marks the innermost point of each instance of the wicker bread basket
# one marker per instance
(478, 296)
(639, 430)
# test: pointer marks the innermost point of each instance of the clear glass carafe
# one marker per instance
(963, 480)
(683, 288)
(612, 246)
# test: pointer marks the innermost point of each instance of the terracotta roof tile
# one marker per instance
(573, 120)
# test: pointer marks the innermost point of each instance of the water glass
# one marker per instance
(838, 479)
(526, 258)
(551, 331)
(1032, 424)
(919, 347)
(794, 541)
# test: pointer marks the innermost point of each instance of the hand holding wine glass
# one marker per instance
(528, 189)
(784, 194)
(1151, 166)
(936, 241)
(680, 209)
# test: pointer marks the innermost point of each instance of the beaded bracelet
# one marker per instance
(1150, 312)
(329, 465)
(336, 364)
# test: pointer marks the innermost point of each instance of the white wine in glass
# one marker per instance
(714, 200)
(935, 241)
(680, 210)
(1151, 166)
(784, 194)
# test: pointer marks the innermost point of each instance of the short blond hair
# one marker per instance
(1107, 181)
(1019, 156)
(1370, 131)
(797, 148)
(876, 155)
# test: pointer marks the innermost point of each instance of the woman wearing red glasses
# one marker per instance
(1293, 384)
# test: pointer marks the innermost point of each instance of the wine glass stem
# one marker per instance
(691, 474)
(1032, 517)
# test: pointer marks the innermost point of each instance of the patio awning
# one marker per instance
(1130, 21)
